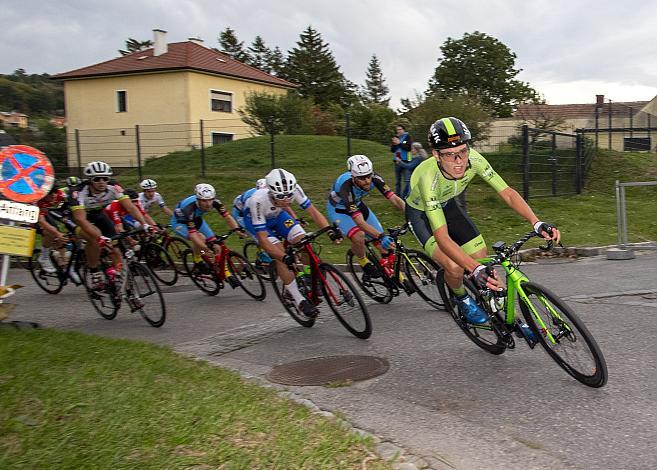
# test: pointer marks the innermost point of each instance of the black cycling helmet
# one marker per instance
(72, 181)
(131, 193)
(448, 132)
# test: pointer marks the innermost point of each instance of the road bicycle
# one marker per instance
(209, 275)
(324, 283)
(174, 245)
(403, 270)
(134, 284)
(552, 323)
(66, 259)
(153, 252)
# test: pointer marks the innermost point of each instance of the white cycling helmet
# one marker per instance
(148, 184)
(261, 183)
(359, 165)
(98, 169)
(281, 183)
(204, 191)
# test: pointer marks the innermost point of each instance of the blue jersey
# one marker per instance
(239, 203)
(347, 198)
(187, 212)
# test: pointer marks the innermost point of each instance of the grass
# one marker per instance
(69, 400)
(588, 219)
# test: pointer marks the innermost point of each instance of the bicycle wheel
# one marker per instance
(176, 247)
(376, 289)
(160, 262)
(286, 299)
(249, 280)
(483, 336)
(345, 302)
(563, 335)
(201, 275)
(52, 283)
(106, 301)
(143, 294)
(251, 252)
(422, 272)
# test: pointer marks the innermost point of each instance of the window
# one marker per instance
(221, 101)
(221, 138)
(121, 101)
(637, 144)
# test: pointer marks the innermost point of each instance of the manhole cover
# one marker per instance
(326, 370)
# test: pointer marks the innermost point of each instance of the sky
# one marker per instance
(569, 51)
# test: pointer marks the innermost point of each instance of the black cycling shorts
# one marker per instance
(103, 222)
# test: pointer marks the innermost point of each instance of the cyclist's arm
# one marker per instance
(166, 210)
(359, 220)
(515, 201)
(221, 209)
(317, 216)
(46, 227)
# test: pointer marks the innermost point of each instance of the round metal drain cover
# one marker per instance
(327, 370)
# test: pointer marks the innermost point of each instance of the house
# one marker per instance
(58, 122)
(13, 119)
(176, 96)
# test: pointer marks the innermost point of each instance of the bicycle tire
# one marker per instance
(176, 247)
(205, 281)
(339, 292)
(423, 277)
(286, 301)
(483, 336)
(104, 301)
(244, 271)
(143, 290)
(52, 283)
(250, 252)
(566, 341)
(160, 263)
(376, 289)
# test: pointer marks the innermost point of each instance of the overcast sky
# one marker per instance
(568, 50)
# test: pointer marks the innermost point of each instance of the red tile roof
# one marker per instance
(576, 111)
(179, 56)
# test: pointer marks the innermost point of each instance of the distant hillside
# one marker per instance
(31, 94)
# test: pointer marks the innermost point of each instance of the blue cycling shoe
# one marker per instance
(471, 311)
(264, 257)
(527, 332)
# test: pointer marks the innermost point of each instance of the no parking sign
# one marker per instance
(26, 174)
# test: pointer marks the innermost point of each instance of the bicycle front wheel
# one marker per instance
(376, 289)
(563, 335)
(176, 248)
(287, 300)
(249, 280)
(345, 301)
(106, 300)
(251, 252)
(423, 274)
(51, 283)
(143, 294)
(201, 274)
(160, 262)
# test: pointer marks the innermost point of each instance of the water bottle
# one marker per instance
(387, 263)
(68, 252)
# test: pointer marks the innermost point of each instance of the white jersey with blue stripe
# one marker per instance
(260, 207)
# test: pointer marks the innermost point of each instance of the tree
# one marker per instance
(231, 46)
(269, 113)
(375, 90)
(371, 122)
(276, 62)
(133, 45)
(259, 54)
(311, 65)
(480, 66)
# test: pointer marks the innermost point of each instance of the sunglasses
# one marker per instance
(364, 177)
(283, 197)
(451, 156)
(98, 179)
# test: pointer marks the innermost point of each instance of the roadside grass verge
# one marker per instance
(69, 400)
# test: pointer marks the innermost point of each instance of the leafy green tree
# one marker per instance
(31, 93)
(375, 90)
(279, 114)
(133, 45)
(259, 54)
(311, 65)
(480, 66)
(371, 122)
(232, 46)
(276, 62)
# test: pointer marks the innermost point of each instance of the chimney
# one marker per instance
(599, 101)
(159, 42)
(198, 41)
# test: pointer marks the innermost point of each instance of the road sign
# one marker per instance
(17, 241)
(19, 212)
(26, 174)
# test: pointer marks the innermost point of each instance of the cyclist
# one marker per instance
(443, 227)
(52, 210)
(149, 197)
(120, 216)
(345, 207)
(266, 218)
(87, 204)
(239, 203)
(187, 221)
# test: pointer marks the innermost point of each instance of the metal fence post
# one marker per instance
(202, 148)
(525, 162)
(138, 152)
(554, 164)
(610, 110)
(77, 150)
(348, 129)
(579, 169)
(271, 143)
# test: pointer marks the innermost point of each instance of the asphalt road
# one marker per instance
(443, 399)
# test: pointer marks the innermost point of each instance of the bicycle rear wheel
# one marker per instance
(176, 248)
(376, 289)
(484, 336)
(160, 262)
(106, 301)
(51, 283)
(251, 252)
(286, 299)
(563, 335)
(249, 280)
(423, 274)
(143, 294)
(345, 301)
(202, 275)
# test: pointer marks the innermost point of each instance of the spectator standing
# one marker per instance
(401, 156)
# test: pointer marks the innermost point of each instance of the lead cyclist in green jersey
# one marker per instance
(443, 228)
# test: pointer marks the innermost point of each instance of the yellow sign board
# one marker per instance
(17, 241)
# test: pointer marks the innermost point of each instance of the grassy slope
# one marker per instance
(587, 219)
